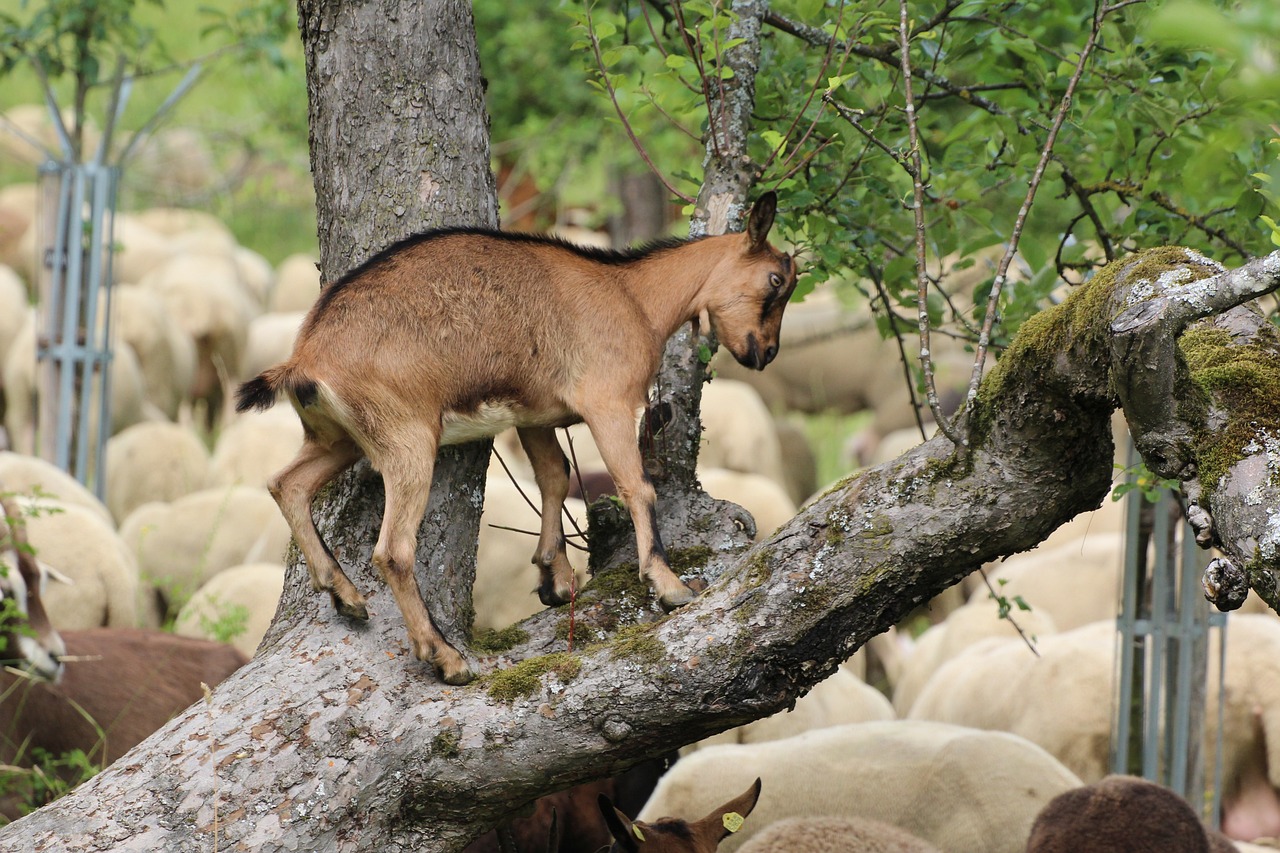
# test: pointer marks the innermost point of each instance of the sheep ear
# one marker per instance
(620, 826)
(728, 818)
(761, 220)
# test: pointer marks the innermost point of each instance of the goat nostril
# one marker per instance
(770, 353)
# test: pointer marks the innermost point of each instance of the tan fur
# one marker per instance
(455, 335)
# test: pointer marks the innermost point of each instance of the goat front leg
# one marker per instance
(294, 489)
(614, 432)
(406, 477)
(551, 471)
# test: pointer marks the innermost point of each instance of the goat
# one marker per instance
(454, 335)
(672, 835)
(28, 639)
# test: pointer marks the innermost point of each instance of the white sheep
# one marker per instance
(270, 341)
(738, 431)
(835, 835)
(763, 497)
(506, 579)
(253, 447)
(139, 249)
(297, 284)
(18, 204)
(77, 543)
(241, 600)
(181, 545)
(13, 312)
(153, 461)
(838, 699)
(31, 475)
(1062, 701)
(963, 627)
(965, 790)
(166, 354)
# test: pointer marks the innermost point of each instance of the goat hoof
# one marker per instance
(351, 610)
(678, 598)
(550, 596)
(457, 678)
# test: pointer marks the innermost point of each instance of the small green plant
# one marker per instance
(1140, 477)
(229, 620)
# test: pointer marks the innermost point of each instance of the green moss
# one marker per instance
(525, 678)
(446, 744)
(1245, 380)
(638, 643)
(685, 560)
(496, 641)
(617, 581)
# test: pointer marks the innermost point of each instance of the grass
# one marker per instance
(828, 433)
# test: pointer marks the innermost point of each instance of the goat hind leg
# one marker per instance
(294, 488)
(408, 485)
(551, 471)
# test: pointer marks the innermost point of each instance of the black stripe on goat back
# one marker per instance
(592, 253)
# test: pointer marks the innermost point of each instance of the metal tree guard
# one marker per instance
(76, 243)
(1163, 686)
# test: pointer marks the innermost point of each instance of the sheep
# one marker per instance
(269, 341)
(739, 432)
(965, 790)
(1061, 700)
(1075, 583)
(385, 368)
(503, 593)
(799, 463)
(674, 835)
(153, 461)
(180, 545)
(240, 601)
(104, 588)
(30, 474)
(127, 390)
(835, 835)
(138, 249)
(118, 686)
(13, 311)
(1119, 814)
(963, 627)
(253, 447)
(166, 354)
(766, 500)
(297, 285)
(840, 698)
(17, 213)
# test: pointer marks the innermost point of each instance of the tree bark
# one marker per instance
(335, 738)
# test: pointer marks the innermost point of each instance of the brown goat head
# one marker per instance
(30, 641)
(455, 335)
(672, 835)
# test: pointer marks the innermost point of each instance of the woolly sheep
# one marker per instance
(1119, 814)
(799, 463)
(252, 590)
(30, 474)
(153, 461)
(166, 354)
(79, 544)
(1062, 701)
(13, 311)
(838, 699)
(968, 791)
(297, 285)
(174, 162)
(33, 120)
(835, 835)
(1075, 583)
(127, 390)
(505, 576)
(766, 500)
(139, 249)
(963, 627)
(738, 431)
(181, 545)
(270, 341)
(253, 447)
(175, 221)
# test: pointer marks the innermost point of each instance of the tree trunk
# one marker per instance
(335, 738)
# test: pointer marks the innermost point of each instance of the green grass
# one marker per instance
(828, 432)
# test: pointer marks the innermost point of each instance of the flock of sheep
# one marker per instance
(976, 735)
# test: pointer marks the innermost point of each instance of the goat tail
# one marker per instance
(260, 392)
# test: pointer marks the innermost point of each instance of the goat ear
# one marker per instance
(729, 817)
(620, 826)
(761, 220)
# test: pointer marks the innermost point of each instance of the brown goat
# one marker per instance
(118, 686)
(672, 835)
(454, 335)
(28, 639)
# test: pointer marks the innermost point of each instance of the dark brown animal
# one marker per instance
(454, 335)
(28, 640)
(118, 685)
(1120, 814)
(673, 835)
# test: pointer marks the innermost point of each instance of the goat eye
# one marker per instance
(775, 280)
